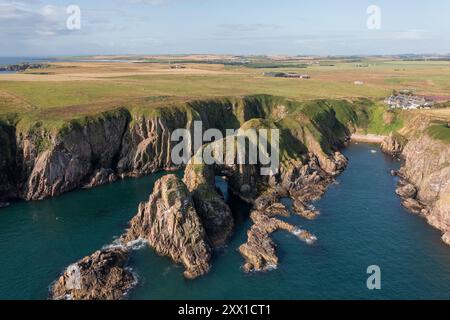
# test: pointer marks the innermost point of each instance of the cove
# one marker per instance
(362, 223)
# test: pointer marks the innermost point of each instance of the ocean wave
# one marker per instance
(132, 245)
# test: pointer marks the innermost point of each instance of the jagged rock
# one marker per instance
(393, 144)
(427, 167)
(413, 205)
(407, 191)
(54, 163)
(259, 251)
(266, 199)
(101, 276)
(276, 209)
(55, 172)
(302, 210)
(101, 177)
(172, 227)
(215, 214)
(147, 145)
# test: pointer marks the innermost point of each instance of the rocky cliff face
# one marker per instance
(40, 161)
(303, 176)
(51, 163)
(170, 223)
(425, 185)
(8, 171)
(184, 219)
(393, 144)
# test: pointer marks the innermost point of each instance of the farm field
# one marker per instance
(65, 90)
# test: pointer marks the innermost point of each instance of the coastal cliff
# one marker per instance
(185, 220)
(424, 178)
(172, 227)
(41, 159)
(427, 169)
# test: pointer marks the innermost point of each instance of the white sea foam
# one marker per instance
(373, 151)
(300, 233)
(137, 244)
(271, 267)
(132, 245)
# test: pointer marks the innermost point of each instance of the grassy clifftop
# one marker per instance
(329, 121)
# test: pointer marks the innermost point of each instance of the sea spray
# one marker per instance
(131, 245)
(304, 235)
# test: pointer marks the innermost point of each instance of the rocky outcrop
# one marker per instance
(425, 181)
(406, 190)
(100, 177)
(393, 144)
(101, 276)
(259, 251)
(170, 223)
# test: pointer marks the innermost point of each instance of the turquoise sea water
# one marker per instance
(362, 223)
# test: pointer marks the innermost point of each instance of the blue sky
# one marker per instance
(321, 27)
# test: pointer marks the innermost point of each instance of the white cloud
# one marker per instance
(26, 20)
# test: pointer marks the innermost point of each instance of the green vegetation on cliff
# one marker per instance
(383, 121)
(440, 131)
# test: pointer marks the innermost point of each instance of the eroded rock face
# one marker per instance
(101, 177)
(171, 225)
(54, 172)
(71, 156)
(393, 144)
(101, 276)
(147, 145)
(215, 214)
(259, 251)
(427, 169)
(407, 191)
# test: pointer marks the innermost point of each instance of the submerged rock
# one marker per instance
(101, 276)
(172, 227)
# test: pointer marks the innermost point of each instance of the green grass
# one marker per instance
(440, 132)
(383, 121)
